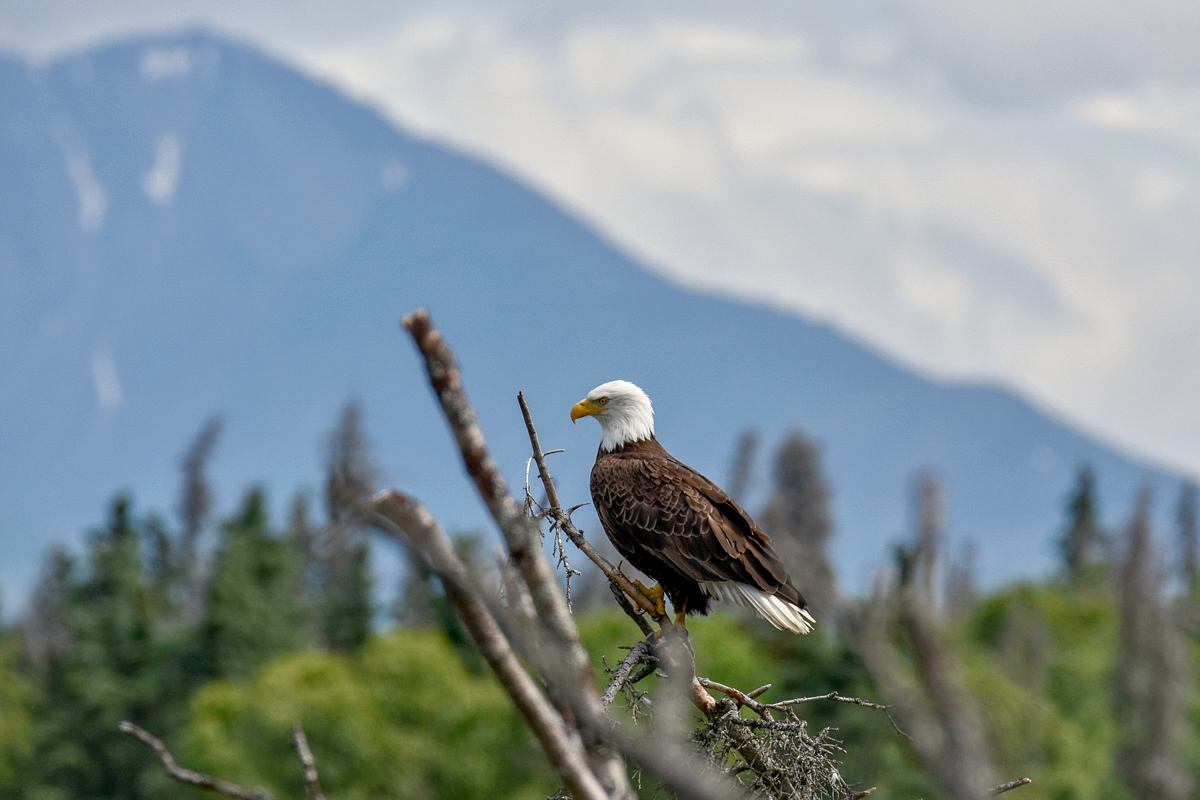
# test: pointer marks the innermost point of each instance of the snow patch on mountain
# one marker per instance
(93, 202)
(162, 179)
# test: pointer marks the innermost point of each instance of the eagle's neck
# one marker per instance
(642, 448)
(623, 425)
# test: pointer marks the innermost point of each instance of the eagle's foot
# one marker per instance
(655, 596)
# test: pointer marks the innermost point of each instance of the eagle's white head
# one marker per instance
(623, 411)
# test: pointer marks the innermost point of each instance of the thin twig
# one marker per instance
(831, 696)
(887, 711)
(189, 776)
(311, 781)
(1005, 787)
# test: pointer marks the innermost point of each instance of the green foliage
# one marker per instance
(18, 695)
(345, 615)
(253, 613)
(1040, 660)
(110, 641)
(401, 718)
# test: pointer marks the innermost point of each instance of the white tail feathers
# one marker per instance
(775, 610)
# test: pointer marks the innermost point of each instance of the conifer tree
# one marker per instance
(252, 612)
(1082, 534)
(45, 636)
(113, 667)
(930, 529)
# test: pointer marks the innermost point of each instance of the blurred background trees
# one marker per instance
(217, 633)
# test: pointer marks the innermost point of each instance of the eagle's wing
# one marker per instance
(661, 513)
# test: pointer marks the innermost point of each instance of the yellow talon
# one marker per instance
(655, 596)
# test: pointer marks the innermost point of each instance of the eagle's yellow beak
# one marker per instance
(584, 408)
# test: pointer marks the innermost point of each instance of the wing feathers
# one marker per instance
(674, 524)
(780, 613)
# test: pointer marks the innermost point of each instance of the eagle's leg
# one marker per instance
(655, 595)
(680, 614)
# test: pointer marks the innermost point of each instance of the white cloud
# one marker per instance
(162, 179)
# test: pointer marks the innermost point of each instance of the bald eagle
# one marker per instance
(677, 526)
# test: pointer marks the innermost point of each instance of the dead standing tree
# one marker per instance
(1151, 679)
(798, 521)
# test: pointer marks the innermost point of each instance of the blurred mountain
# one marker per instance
(188, 227)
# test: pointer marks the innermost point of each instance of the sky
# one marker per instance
(1005, 192)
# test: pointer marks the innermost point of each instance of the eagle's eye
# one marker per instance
(603, 401)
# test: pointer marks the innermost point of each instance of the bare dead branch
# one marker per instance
(764, 709)
(1007, 787)
(562, 520)
(411, 525)
(738, 697)
(312, 783)
(520, 532)
(188, 776)
(639, 655)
